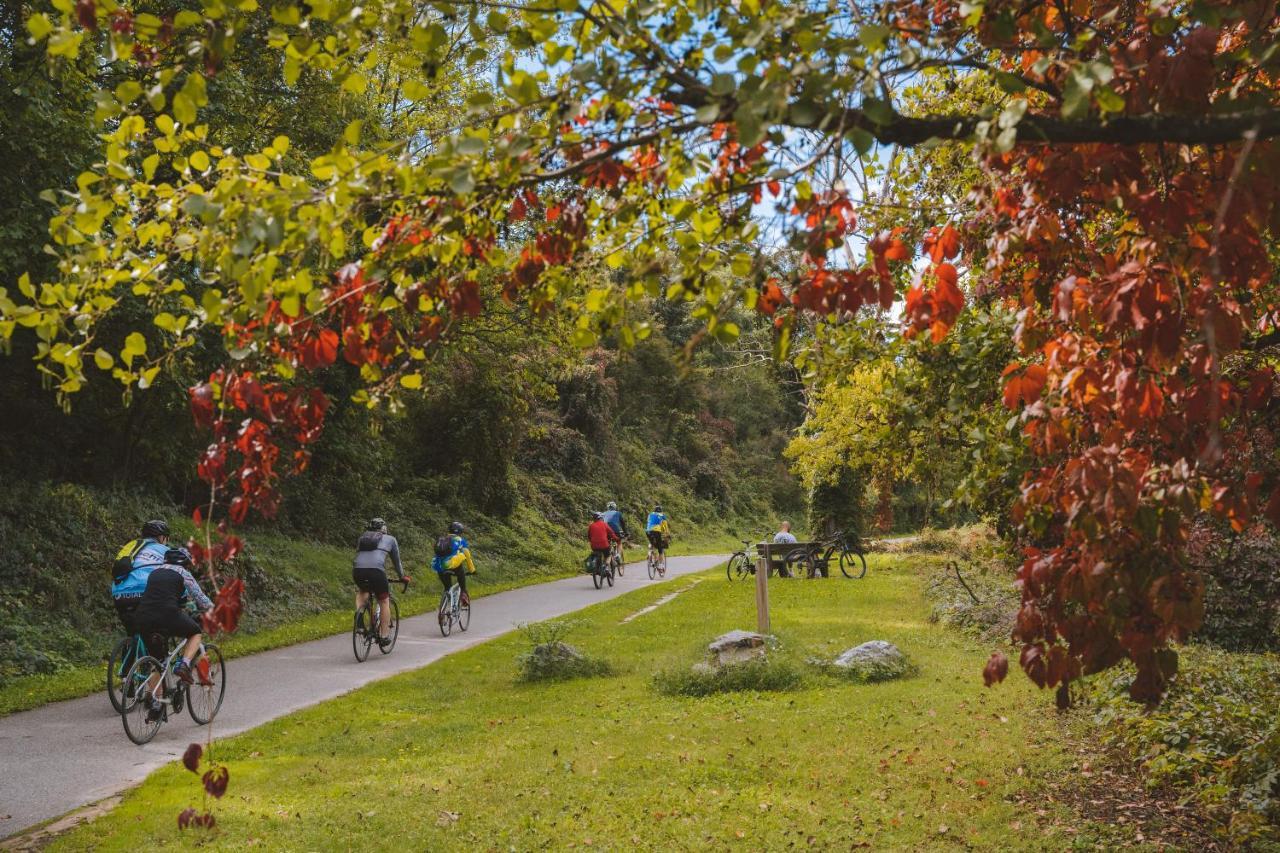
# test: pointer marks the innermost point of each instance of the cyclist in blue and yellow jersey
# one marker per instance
(614, 519)
(453, 559)
(133, 565)
(658, 529)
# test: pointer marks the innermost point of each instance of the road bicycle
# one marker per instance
(128, 650)
(152, 691)
(657, 562)
(455, 609)
(815, 560)
(740, 564)
(601, 571)
(616, 560)
(365, 630)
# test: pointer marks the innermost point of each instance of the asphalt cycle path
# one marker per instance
(68, 754)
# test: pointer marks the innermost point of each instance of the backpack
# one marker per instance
(444, 546)
(123, 564)
(369, 541)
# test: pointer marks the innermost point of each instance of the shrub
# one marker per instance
(552, 659)
(1216, 736)
(1242, 586)
(759, 675)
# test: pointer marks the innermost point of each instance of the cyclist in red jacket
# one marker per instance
(600, 534)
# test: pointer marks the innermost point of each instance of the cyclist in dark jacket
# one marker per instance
(369, 571)
(162, 610)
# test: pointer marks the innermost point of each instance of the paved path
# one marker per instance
(68, 754)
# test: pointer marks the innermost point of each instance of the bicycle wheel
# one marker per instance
(117, 667)
(597, 577)
(619, 564)
(362, 633)
(662, 564)
(802, 559)
(445, 615)
(653, 565)
(464, 612)
(393, 629)
(140, 722)
(204, 697)
(608, 575)
(853, 564)
(736, 568)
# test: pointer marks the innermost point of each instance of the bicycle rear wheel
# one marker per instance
(140, 724)
(597, 576)
(652, 562)
(204, 697)
(853, 564)
(620, 564)
(802, 559)
(362, 633)
(117, 667)
(737, 567)
(393, 629)
(464, 612)
(444, 615)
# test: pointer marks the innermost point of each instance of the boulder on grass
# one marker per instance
(877, 660)
(736, 647)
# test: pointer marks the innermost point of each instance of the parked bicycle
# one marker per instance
(814, 560)
(151, 691)
(455, 609)
(601, 570)
(740, 564)
(365, 630)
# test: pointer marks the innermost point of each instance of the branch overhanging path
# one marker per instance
(69, 754)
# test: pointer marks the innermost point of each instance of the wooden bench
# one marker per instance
(774, 555)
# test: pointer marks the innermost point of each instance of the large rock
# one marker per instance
(736, 647)
(877, 660)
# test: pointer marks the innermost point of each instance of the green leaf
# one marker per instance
(39, 26)
(873, 37)
(134, 345)
(877, 110)
(103, 359)
(199, 161)
(184, 109)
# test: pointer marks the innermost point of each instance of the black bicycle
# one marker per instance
(365, 630)
(740, 564)
(815, 560)
(601, 570)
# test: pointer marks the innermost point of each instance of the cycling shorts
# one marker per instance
(156, 626)
(657, 539)
(372, 580)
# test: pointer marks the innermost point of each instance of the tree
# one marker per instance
(1129, 218)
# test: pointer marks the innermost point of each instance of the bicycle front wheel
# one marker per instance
(204, 697)
(853, 564)
(464, 612)
(117, 668)
(393, 630)
(142, 721)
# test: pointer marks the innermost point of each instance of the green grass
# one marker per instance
(460, 754)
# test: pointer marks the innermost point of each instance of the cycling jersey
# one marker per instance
(145, 555)
(601, 534)
(613, 518)
(460, 555)
(657, 521)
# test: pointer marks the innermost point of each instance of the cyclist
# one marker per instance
(614, 519)
(453, 559)
(600, 534)
(658, 529)
(369, 571)
(133, 564)
(163, 612)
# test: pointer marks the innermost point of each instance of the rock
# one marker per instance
(556, 652)
(876, 660)
(736, 647)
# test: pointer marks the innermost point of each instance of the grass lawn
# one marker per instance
(460, 755)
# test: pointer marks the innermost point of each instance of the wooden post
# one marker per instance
(762, 593)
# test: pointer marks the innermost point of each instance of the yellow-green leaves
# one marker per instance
(134, 345)
(39, 26)
(103, 359)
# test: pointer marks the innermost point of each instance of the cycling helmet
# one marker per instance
(597, 515)
(612, 506)
(376, 523)
(178, 557)
(657, 507)
(154, 529)
(455, 527)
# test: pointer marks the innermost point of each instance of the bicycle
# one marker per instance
(740, 563)
(365, 628)
(455, 608)
(657, 562)
(601, 571)
(152, 689)
(123, 655)
(852, 561)
(616, 560)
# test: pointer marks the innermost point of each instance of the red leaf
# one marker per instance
(996, 669)
(225, 615)
(215, 780)
(191, 758)
(321, 350)
(185, 817)
(770, 298)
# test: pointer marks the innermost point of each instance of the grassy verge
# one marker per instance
(464, 755)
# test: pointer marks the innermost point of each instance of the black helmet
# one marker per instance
(611, 505)
(376, 523)
(178, 557)
(657, 507)
(597, 515)
(455, 527)
(155, 528)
